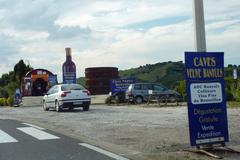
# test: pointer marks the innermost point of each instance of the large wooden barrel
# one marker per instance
(98, 79)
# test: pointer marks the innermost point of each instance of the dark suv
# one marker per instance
(139, 92)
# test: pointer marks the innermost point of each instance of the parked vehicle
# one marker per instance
(117, 97)
(67, 96)
(139, 92)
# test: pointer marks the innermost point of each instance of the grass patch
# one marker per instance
(233, 104)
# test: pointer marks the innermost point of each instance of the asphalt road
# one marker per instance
(136, 132)
(22, 141)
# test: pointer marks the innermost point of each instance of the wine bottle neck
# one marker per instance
(69, 58)
(68, 54)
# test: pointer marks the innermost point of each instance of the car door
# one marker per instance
(145, 90)
(51, 96)
(54, 95)
(47, 97)
(136, 90)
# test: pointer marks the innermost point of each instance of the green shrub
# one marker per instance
(181, 88)
(3, 101)
(11, 88)
(3, 92)
(10, 101)
(229, 95)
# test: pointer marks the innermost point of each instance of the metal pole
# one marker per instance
(199, 30)
(199, 25)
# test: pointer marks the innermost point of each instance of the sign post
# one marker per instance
(199, 26)
(205, 86)
(207, 111)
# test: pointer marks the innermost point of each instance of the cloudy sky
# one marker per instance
(119, 33)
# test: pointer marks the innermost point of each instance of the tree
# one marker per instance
(3, 93)
(4, 79)
(181, 88)
(230, 66)
(20, 69)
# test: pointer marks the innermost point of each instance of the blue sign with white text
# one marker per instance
(120, 85)
(207, 113)
(52, 80)
(69, 78)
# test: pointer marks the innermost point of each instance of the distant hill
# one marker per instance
(81, 80)
(166, 73)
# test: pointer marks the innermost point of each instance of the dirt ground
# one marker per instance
(137, 132)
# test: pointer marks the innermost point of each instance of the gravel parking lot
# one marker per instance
(138, 132)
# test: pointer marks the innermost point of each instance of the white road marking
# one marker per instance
(36, 133)
(34, 126)
(107, 153)
(6, 138)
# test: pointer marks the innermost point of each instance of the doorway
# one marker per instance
(39, 87)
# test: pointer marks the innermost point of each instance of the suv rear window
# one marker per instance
(137, 87)
(146, 86)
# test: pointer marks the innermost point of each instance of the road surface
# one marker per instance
(136, 132)
(24, 141)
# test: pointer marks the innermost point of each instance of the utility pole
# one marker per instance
(199, 26)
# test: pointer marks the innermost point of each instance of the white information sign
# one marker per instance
(206, 93)
(235, 74)
(150, 91)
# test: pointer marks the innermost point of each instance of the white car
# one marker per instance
(68, 96)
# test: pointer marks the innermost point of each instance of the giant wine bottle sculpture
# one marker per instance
(69, 69)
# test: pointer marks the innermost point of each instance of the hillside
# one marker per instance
(166, 73)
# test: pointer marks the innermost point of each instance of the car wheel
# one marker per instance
(71, 108)
(86, 108)
(172, 99)
(138, 100)
(45, 108)
(57, 107)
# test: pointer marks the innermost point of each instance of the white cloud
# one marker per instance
(28, 35)
(108, 14)
(222, 24)
(135, 48)
(99, 32)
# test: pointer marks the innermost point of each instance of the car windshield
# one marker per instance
(70, 87)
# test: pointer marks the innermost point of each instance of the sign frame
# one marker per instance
(207, 113)
(120, 84)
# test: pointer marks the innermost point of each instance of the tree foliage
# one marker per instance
(20, 69)
(166, 73)
(9, 82)
(181, 88)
